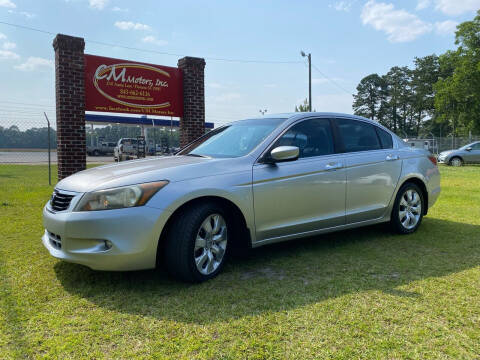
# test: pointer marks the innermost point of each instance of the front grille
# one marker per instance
(55, 240)
(60, 201)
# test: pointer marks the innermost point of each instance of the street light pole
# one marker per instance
(309, 57)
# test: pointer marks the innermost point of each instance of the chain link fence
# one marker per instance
(28, 137)
(438, 144)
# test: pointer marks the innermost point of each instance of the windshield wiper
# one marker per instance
(196, 155)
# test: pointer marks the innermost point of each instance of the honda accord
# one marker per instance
(246, 184)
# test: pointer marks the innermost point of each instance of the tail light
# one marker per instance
(433, 159)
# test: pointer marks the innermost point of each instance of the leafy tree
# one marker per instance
(303, 107)
(370, 96)
(458, 93)
(398, 95)
(439, 95)
(424, 76)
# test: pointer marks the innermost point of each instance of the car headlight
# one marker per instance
(118, 198)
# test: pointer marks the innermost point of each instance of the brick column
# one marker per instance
(192, 124)
(70, 104)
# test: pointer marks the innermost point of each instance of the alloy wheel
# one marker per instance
(410, 209)
(210, 244)
(456, 162)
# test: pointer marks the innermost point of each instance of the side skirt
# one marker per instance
(320, 231)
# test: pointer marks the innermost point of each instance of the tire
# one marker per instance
(96, 153)
(189, 243)
(408, 209)
(456, 161)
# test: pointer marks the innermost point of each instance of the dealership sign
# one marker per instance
(113, 85)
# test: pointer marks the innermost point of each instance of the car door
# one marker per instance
(373, 168)
(304, 195)
(473, 156)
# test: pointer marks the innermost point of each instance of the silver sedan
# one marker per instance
(247, 184)
(468, 154)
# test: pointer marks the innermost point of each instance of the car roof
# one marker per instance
(300, 115)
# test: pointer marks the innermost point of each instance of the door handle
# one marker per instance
(333, 166)
(391, 157)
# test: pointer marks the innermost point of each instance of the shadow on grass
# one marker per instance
(288, 275)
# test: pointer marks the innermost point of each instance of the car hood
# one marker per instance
(444, 153)
(171, 168)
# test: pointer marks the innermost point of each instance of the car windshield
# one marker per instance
(468, 146)
(234, 140)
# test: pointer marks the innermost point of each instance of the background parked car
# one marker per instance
(104, 148)
(468, 154)
(126, 148)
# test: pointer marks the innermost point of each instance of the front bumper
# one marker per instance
(80, 237)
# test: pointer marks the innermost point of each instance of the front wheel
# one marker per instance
(456, 161)
(407, 212)
(197, 242)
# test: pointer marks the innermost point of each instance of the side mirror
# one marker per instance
(285, 153)
(469, 149)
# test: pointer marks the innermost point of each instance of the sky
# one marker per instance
(348, 40)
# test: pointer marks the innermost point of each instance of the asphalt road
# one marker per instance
(41, 157)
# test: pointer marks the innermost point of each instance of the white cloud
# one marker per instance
(7, 4)
(457, 7)
(9, 45)
(35, 63)
(342, 5)
(8, 55)
(129, 25)
(98, 4)
(399, 25)
(119, 9)
(446, 27)
(2, 36)
(423, 4)
(153, 40)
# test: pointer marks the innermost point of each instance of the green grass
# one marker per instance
(356, 294)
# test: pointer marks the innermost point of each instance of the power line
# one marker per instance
(26, 104)
(256, 61)
(331, 80)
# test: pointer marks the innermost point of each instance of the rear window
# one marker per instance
(385, 138)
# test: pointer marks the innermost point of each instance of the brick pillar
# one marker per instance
(192, 124)
(70, 104)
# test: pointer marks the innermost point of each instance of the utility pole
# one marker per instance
(309, 57)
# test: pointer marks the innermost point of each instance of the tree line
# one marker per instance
(34, 138)
(440, 95)
(37, 138)
(160, 135)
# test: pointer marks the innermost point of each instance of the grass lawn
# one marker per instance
(356, 294)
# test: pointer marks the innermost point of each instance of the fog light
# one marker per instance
(108, 244)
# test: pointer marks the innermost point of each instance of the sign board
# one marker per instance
(121, 86)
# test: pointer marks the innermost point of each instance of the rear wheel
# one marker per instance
(96, 153)
(456, 161)
(407, 212)
(196, 245)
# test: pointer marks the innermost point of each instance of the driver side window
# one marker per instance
(312, 137)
